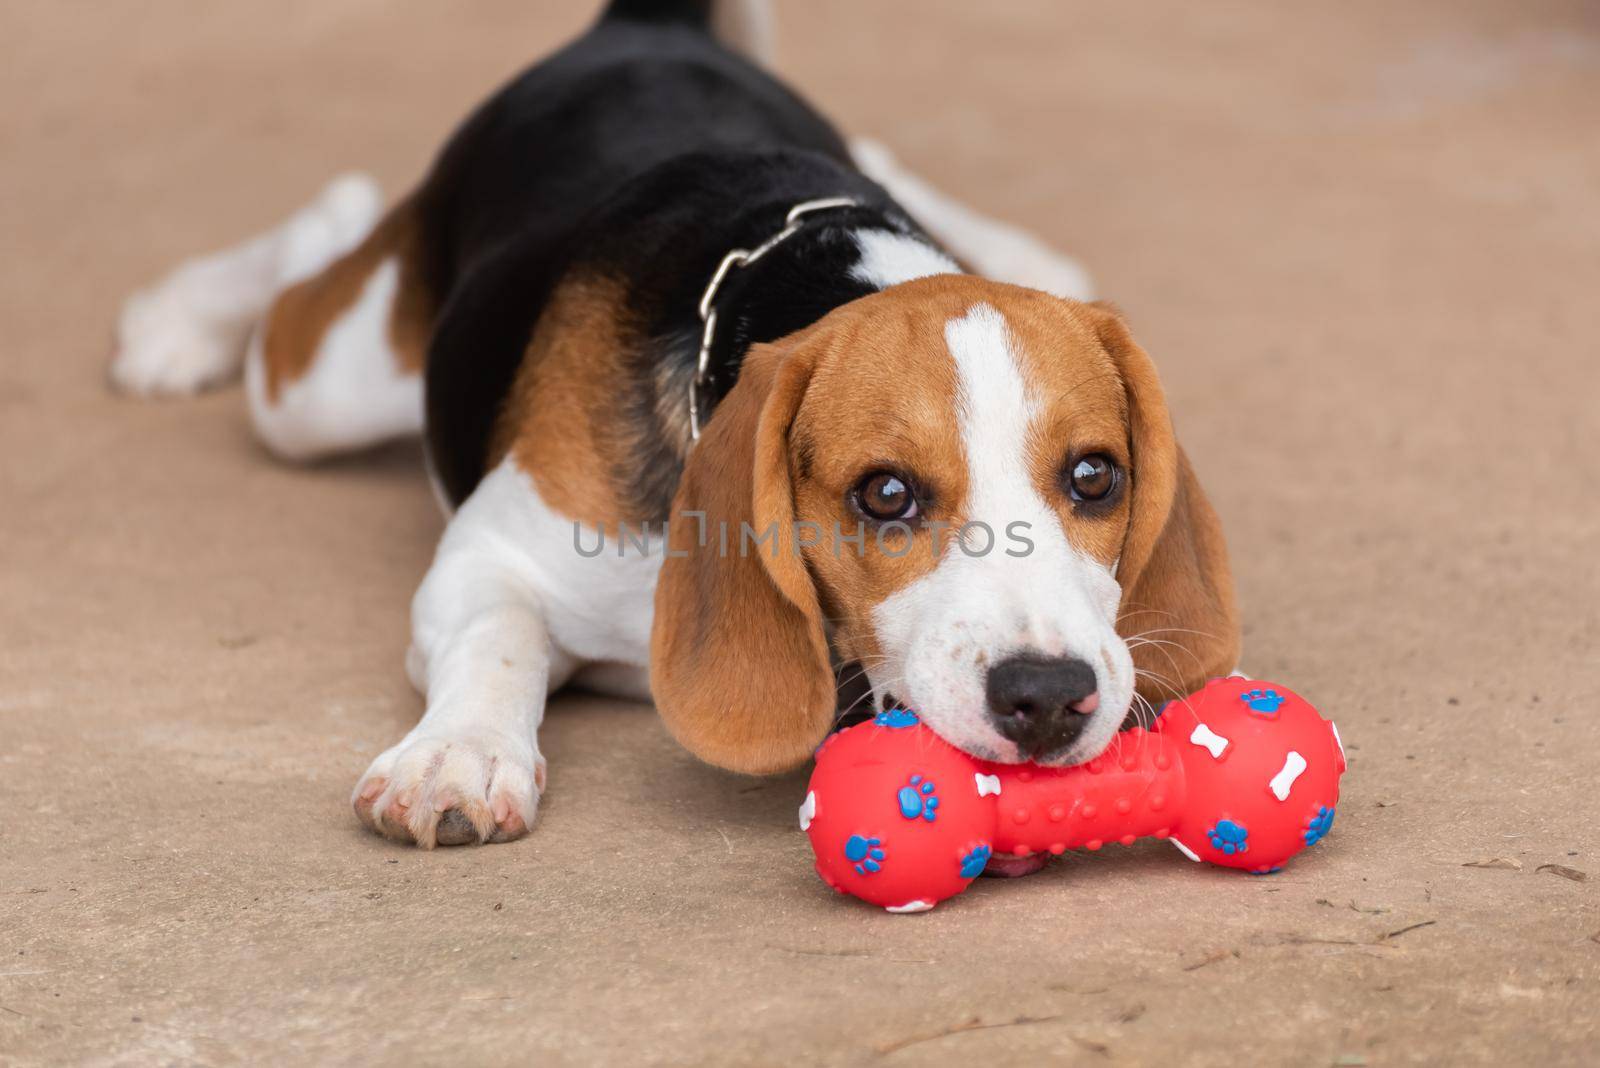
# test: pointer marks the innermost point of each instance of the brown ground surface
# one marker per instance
(1362, 240)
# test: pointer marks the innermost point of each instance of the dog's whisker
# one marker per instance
(1163, 646)
(1143, 610)
(1164, 684)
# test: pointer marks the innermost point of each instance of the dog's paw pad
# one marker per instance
(451, 790)
(455, 828)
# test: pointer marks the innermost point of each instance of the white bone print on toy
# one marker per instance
(1283, 782)
(1338, 740)
(910, 906)
(808, 810)
(1186, 851)
(1209, 738)
(987, 784)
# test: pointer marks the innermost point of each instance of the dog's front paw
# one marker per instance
(436, 789)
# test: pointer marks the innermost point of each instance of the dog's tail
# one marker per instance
(743, 25)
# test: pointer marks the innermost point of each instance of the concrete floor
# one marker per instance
(1363, 242)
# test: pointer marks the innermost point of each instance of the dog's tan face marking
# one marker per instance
(983, 430)
(883, 402)
(979, 399)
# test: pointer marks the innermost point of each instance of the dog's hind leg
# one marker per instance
(336, 363)
(328, 313)
(991, 248)
(188, 331)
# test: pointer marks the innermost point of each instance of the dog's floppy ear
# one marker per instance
(1176, 586)
(739, 662)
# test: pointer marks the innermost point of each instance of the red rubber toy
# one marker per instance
(1243, 773)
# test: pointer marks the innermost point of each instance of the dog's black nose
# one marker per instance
(1041, 703)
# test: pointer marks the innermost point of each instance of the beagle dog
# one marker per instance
(723, 413)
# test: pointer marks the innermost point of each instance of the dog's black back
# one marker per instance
(644, 150)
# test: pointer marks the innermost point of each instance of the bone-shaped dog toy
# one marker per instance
(1243, 773)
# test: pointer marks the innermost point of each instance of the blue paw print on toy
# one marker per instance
(1320, 825)
(895, 717)
(866, 853)
(973, 863)
(917, 798)
(1229, 837)
(1264, 701)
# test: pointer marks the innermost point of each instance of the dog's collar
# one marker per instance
(742, 257)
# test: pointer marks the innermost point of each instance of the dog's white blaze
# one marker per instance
(1185, 850)
(987, 784)
(1204, 735)
(910, 906)
(808, 810)
(996, 596)
(888, 258)
(1283, 782)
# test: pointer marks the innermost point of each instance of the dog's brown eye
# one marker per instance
(884, 496)
(1093, 477)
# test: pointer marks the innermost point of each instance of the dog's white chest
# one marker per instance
(596, 588)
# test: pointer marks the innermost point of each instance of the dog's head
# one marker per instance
(971, 490)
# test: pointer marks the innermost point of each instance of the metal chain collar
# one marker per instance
(742, 257)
